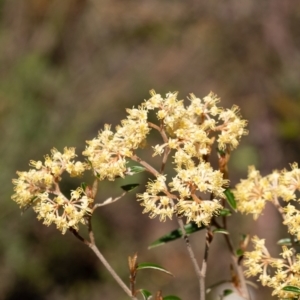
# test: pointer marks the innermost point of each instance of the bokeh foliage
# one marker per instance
(68, 67)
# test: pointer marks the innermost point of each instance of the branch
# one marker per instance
(146, 165)
(236, 263)
(192, 257)
(164, 136)
(108, 201)
(95, 249)
(208, 240)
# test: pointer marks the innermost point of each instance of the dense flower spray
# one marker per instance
(196, 191)
(188, 132)
(39, 188)
(252, 194)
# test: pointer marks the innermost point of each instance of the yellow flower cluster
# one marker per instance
(276, 273)
(190, 132)
(252, 194)
(39, 188)
(187, 131)
(109, 151)
(191, 128)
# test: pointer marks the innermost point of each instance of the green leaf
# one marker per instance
(134, 170)
(230, 198)
(171, 297)
(129, 187)
(220, 230)
(221, 152)
(176, 234)
(142, 266)
(225, 212)
(293, 289)
(83, 185)
(227, 292)
(239, 252)
(146, 294)
(243, 237)
(285, 242)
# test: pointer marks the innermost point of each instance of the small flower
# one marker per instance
(251, 194)
(287, 252)
(64, 213)
(200, 178)
(155, 202)
(292, 219)
(200, 213)
(290, 182)
(204, 108)
(154, 102)
(275, 273)
(39, 188)
(232, 129)
(108, 152)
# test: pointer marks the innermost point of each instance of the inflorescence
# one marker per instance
(188, 132)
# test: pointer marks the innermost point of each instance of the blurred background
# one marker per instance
(68, 67)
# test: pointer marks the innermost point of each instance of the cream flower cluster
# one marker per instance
(192, 128)
(188, 132)
(252, 194)
(276, 273)
(109, 151)
(39, 188)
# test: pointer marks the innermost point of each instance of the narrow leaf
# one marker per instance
(129, 187)
(171, 297)
(225, 212)
(176, 234)
(293, 289)
(83, 185)
(142, 266)
(227, 292)
(230, 198)
(239, 252)
(220, 230)
(146, 294)
(285, 242)
(134, 170)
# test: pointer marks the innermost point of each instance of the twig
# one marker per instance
(236, 262)
(108, 201)
(90, 230)
(132, 263)
(104, 262)
(192, 256)
(145, 164)
(208, 240)
(164, 136)
(223, 166)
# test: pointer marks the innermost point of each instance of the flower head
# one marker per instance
(39, 188)
(275, 273)
(155, 201)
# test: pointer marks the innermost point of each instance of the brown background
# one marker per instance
(67, 67)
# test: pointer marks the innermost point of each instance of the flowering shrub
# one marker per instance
(197, 193)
